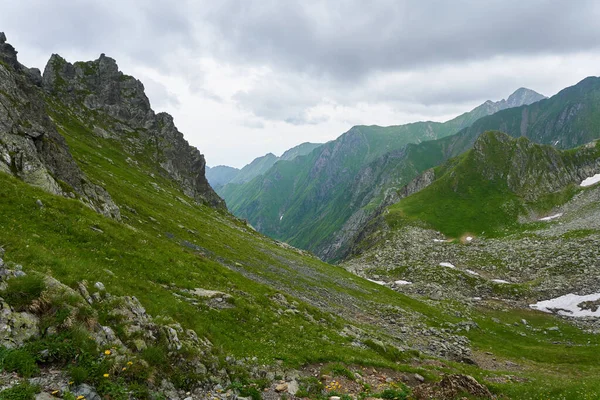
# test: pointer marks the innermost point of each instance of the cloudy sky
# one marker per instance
(243, 78)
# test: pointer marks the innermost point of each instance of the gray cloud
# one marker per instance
(351, 39)
(308, 67)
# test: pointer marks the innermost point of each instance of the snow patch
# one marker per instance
(447, 264)
(551, 217)
(471, 272)
(469, 238)
(382, 283)
(569, 305)
(281, 217)
(500, 281)
(591, 180)
(439, 240)
(401, 282)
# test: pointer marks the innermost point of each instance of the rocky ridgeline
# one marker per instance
(101, 97)
(30, 146)
(118, 108)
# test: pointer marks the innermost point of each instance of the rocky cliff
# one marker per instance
(117, 107)
(30, 146)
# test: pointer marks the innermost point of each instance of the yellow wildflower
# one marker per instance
(129, 363)
(80, 397)
(105, 375)
(107, 352)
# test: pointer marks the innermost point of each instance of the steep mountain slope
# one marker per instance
(220, 175)
(314, 202)
(508, 217)
(30, 146)
(568, 119)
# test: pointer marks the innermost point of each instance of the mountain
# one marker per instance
(566, 120)
(508, 216)
(262, 164)
(313, 202)
(176, 298)
(300, 150)
(220, 175)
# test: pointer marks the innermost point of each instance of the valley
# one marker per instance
(124, 275)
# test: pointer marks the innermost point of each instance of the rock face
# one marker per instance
(96, 89)
(30, 146)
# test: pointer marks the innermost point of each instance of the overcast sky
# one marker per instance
(244, 78)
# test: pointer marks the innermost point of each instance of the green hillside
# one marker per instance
(485, 190)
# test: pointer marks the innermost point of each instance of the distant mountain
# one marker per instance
(308, 200)
(260, 165)
(569, 119)
(300, 150)
(220, 175)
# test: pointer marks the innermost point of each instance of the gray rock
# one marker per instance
(39, 203)
(2, 38)
(16, 327)
(419, 377)
(99, 286)
(31, 147)
(87, 391)
(45, 396)
(293, 387)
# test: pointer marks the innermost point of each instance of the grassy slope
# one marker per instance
(463, 200)
(142, 257)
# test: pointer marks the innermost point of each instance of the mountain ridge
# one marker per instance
(309, 202)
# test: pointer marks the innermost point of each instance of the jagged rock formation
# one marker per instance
(30, 146)
(96, 89)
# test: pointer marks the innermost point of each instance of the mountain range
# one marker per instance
(123, 275)
(319, 201)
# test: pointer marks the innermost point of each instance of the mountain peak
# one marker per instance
(523, 96)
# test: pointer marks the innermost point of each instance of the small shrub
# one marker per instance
(154, 355)
(21, 362)
(22, 291)
(338, 369)
(22, 391)
(394, 394)
(252, 392)
(78, 375)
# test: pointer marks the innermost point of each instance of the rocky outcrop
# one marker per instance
(531, 170)
(118, 108)
(30, 146)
